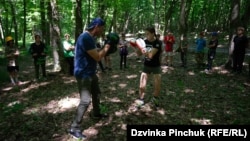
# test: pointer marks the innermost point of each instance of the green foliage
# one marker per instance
(103, 108)
(130, 16)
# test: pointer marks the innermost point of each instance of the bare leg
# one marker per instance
(143, 83)
(157, 84)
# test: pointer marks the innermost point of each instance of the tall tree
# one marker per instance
(24, 23)
(43, 20)
(184, 12)
(168, 13)
(13, 13)
(55, 32)
(245, 17)
(78, 19)
(234, 22)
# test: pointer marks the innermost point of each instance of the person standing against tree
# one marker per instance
(68, 50)
(240, 45)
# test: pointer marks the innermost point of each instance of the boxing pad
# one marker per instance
(112, 40)
(139, 43)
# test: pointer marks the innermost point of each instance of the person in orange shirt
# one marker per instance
(169, 41)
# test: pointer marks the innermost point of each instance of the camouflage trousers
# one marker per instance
(199, 58)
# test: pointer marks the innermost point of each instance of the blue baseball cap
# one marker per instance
(96, 22)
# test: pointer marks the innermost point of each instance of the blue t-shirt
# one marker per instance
(85, 65)
(201, 43)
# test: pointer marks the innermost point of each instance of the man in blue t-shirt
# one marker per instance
(200, 46)
(85, 65)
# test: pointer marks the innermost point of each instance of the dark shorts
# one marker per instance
(154, 70)
(12, 68)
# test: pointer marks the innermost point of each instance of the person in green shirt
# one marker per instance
(68, 49)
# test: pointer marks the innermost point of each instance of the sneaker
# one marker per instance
(139, 102)
(77, 134)
(155, 100)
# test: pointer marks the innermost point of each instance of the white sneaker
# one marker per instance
(139, 102)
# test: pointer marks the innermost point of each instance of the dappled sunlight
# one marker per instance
(44, 83)
(247, 84)
(55, 106)
(168, 92)
(166, 69)
(187, 90)
(201, 121)
(130, 91)
(191, 73)
(161, 111)
(120, 113)
(14, 103)
(35, 86)
(122, 126)
(69, 79)
(221, 70)
(132, 76)
(115, 76)
(9, 88)
(91, 132)
(114, 99)
(122, 85)
(112, 88)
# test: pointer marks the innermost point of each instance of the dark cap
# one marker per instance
(96, 22)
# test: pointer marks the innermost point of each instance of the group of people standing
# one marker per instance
(240, 42)
(38, 52)
(83, 57)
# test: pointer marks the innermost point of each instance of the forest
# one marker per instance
(43, 110)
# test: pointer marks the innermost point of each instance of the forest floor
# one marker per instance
(43, 110)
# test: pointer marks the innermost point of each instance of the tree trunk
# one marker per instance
(24, 23)
(78, 19)
(1, 31)
(168, 13)
(56, 40)
(43, 21)
(14, 22)
(184, 13)
(234, 22)
(245, 17)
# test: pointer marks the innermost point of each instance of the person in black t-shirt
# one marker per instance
(152, 65)
(240, 45)
(38, 51)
